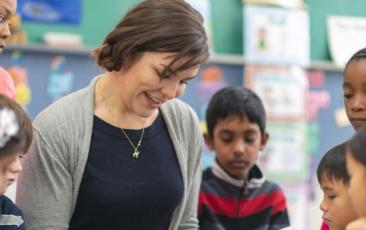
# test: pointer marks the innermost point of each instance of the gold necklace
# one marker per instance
(136, 151)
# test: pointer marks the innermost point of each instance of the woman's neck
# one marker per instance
(109, 105)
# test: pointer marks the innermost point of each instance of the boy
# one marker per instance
(234, 193)
(15, 138)
(334, 180)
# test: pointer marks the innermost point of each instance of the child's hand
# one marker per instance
(359, 224)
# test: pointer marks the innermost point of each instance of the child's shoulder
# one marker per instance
(7, 206)
(272, 185)
(10, 213)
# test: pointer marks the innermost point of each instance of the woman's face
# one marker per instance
(143, 90)
(7, 9)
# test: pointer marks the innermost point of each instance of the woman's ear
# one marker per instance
(208, 140)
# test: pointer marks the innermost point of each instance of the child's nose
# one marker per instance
(358, 103)
(239, 147)
(5, 31)
(323, 206)
(15, 166)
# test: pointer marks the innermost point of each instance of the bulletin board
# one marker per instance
(38, 66)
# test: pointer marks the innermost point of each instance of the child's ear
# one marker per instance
(264, 140)
(208, 141)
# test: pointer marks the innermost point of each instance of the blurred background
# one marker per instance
(291, 52)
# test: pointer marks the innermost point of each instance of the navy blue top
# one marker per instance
(118, 191)
(11, 217)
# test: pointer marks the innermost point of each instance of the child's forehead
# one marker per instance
(8, 6)
(236, 122)
(331, 183)
(237, 119)
(356, 67)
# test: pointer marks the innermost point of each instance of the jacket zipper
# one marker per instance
(240, 196)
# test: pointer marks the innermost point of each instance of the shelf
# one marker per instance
(240, 60)
(214, 58)
(39, 48)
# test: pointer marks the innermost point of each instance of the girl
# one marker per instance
(15, 139)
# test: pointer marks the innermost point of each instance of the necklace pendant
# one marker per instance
(136, 154)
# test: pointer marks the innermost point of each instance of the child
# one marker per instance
(7, 84)
(333, 179)
(15, 138)
(354, 78)
(356, 167)
(234, 193)
(7, 9)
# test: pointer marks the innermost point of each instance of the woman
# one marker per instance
(123, 153)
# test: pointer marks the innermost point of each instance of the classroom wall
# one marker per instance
(38, 66)
(99, 17)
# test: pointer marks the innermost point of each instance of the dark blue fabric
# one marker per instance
(118, 191)
(9, 208)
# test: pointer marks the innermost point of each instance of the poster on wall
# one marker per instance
(59, 82)
(284, 3)
(297, 198)
(346, 35)
(285, 156)
(273, 35)
(204, 7)
(283, 90)
(51, 11)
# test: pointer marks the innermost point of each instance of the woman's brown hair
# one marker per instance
(171, 26)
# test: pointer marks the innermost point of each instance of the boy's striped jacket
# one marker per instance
(230, 204)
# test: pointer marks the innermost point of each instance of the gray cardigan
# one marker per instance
(48, 186)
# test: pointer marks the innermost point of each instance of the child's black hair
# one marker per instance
(235, 101)
(357, 145)
(333, 165)
(359, 55)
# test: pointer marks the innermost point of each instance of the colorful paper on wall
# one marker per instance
(341, 118)
(316, 79)
(346, 35)
(285, 156)
(317, 100)
(313, 137)
(210, 81)
(51, 11)
(59, 84)
(282, 90)
(22, 89)
(273, 35)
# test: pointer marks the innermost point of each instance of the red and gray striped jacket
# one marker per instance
(226, 203)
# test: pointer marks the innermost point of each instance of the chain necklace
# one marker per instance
(136, 151)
